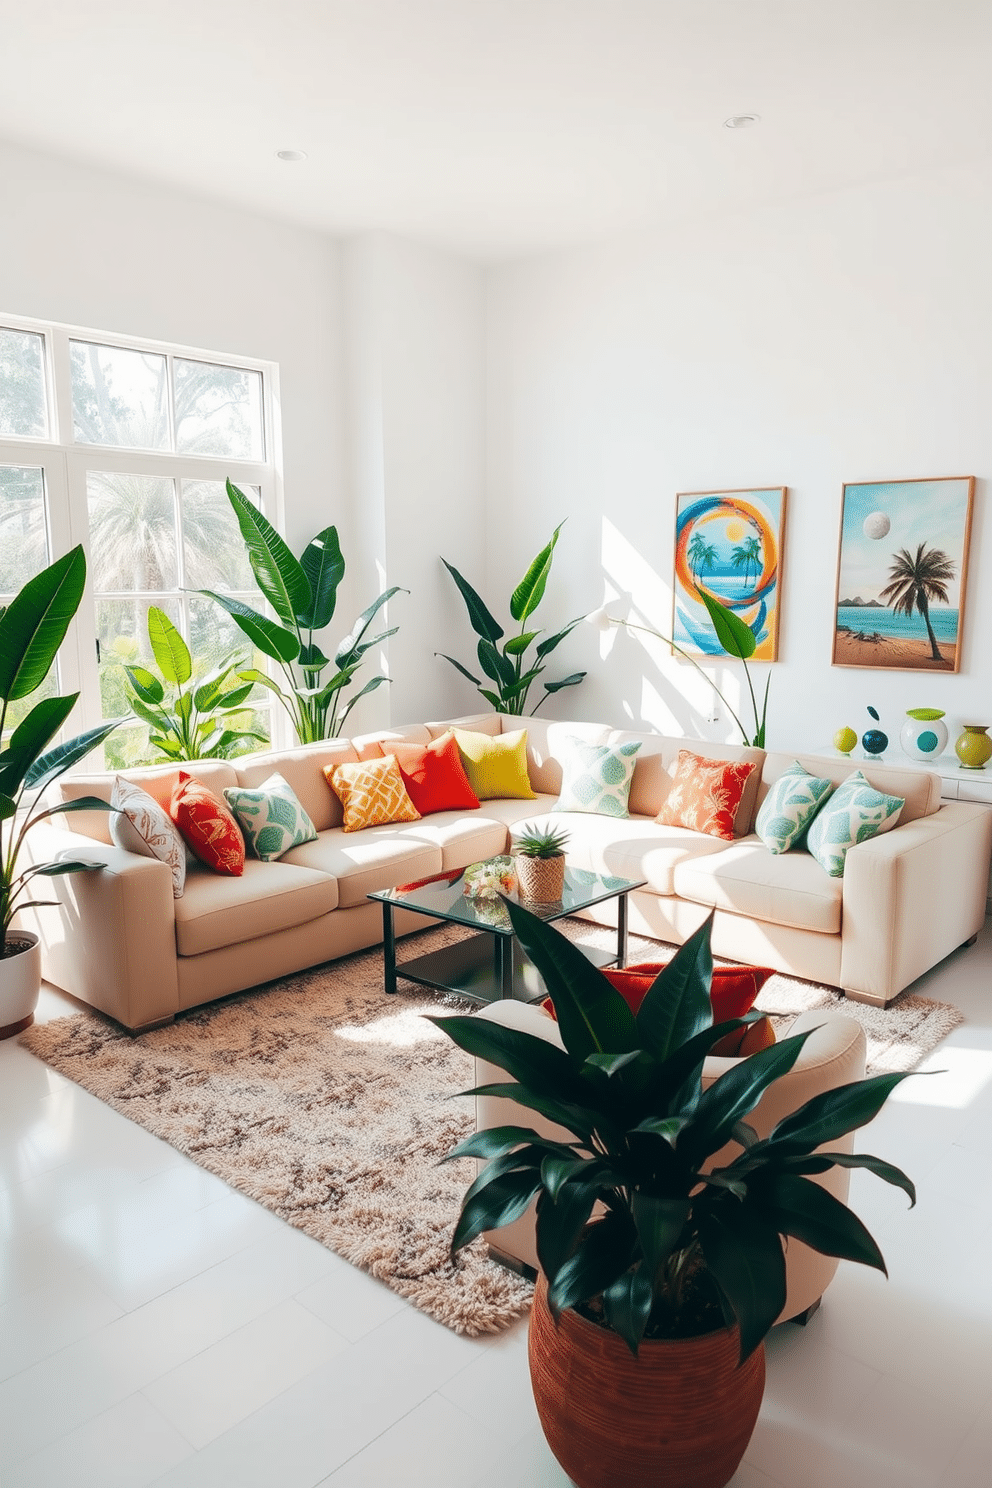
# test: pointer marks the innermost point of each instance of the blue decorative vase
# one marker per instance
(873, 741)
(924, 734)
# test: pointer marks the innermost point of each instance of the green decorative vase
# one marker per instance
(974, 747)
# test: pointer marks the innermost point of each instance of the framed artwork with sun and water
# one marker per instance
(901, 573)
(730, 544)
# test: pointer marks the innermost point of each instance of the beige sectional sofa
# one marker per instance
(123, 944)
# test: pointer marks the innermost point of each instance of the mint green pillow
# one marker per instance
(596, 778)
(789, 807)
(855, 812)
(271, 817)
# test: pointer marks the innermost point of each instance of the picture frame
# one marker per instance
(730, 544)
(902, 572)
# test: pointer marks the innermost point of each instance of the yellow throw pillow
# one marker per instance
(371, 792)
(496, 764)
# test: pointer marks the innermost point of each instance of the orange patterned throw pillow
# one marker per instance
(371, 792)
(705, 795)
(207, 827)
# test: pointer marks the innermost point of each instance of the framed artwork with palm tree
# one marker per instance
(901, 574)
(728, 543)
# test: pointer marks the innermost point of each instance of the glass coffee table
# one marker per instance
(492, 964)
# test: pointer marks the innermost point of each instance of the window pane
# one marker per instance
(218, 410)
(23, 532)
(132, 532)
(122, 632)
(119, 396)
(23, 407)
(213, 548)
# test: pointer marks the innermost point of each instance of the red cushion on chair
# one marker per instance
(732, 993)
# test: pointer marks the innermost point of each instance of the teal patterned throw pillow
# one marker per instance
(789, 807)
(596, 778)
(271, 817)
(855, 812)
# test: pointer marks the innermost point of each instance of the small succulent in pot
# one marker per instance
(540, 862)
(532, 841)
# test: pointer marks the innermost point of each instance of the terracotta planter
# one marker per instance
(680, 1415)
(541, 880)
(20, 983)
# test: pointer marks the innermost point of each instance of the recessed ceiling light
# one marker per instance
(741, 121)
(291, 154)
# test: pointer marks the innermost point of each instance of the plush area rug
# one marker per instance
(333, 1106)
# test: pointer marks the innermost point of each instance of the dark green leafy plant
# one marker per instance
(32, 628)
(629, 1090)
(193, 722)
(303, 594)
(506, 666)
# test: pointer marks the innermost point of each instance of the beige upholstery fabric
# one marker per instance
(833, 1055)
(631, 847)
(478, 723)
(746, 879)
(301, 769)
(157, 780)
(463, 837)
(920, 789)
(376, 858)
(375, 745)
(217, 910)
(547, 741)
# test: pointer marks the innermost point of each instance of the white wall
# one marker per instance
(839, 338)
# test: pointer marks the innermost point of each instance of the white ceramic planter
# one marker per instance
(20, 984)
(923, 738)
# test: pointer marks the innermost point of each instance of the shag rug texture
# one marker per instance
(333, 1106)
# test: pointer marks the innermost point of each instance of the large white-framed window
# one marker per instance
(124, 445)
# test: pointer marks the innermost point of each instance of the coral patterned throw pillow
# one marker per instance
(705, 795)
(207, 827)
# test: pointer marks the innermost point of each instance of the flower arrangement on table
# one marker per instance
(490, 879)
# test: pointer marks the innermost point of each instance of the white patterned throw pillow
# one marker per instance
(789, 807)
(270, 816)
(596, 778)
(855, 812)
(140, 825)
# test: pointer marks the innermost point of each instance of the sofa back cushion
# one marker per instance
(548, 743)
(919, 789)
(158, 780)
(655, 767)
(379, 743)
(302, 768)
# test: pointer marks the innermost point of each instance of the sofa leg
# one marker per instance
(866, 998)
(148, 1027)
(969, 942)
(802, 1318)
(512, 1264)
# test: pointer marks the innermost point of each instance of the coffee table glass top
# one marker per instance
(443, 897)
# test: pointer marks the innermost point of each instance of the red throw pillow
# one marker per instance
(207, 826)
(434, 776)
(705, 795)
(732, 993)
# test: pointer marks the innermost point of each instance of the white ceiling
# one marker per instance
(500, 127)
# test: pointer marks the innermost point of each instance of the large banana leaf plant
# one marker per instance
(303, 593)
(643, 1133)
(32, 628)
(506, 666)
(193, 722)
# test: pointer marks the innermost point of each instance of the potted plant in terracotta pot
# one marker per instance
(662, 1265)
(32, 629)
(540, 855)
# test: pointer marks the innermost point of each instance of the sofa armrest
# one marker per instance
(911, 897)
(113, 941)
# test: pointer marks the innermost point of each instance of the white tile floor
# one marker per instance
(157, 1328)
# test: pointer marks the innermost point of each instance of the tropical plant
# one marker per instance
(303, 593)
(32, 628)
(505, 666)
(531, 841)
(737, 639)
(193, 723)
(675, 1234)
(915, 581)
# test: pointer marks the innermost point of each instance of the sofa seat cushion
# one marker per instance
(637, 848)
(217, 910)
(376, 858)
(463, 839)
(779, 888)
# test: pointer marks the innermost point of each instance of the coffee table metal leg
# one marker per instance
(503, 957)
(388, 948)
(621, 931)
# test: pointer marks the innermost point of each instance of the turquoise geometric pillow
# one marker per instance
(596, 778)
(789, 807)
(271, 817)
(855, 812)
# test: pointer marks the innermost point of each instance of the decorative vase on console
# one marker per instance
(924, 734)
(974, 747)
(873, 741)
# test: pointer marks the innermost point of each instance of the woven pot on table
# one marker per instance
(679, 1415)
(541, 880)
